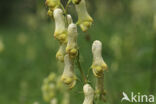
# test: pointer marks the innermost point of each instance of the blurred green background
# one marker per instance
(28, 48)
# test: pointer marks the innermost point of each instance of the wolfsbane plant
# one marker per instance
(66, 33)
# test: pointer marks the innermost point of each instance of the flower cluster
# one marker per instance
(66, 33)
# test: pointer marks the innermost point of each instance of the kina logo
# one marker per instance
(137, 97)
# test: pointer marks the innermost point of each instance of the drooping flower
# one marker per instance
(71, 48)
(68, 76)
(84, 19)
(60, 29)
(88, 93)
(61, 53)
(98, 65)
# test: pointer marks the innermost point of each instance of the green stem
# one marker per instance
(80, 69)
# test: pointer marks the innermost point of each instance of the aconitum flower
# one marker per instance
(61, 53)
(71, 48)
(60, 29)
(88, 93)
(68, 76)
(98, 65)
(84, 19)
(52, 4)
(69, 19)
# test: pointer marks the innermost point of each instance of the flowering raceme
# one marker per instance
(84, 19)
(98, 65)
(89, 94)
(71, 48)
(60, 29)
(68, 76)
(66, 33)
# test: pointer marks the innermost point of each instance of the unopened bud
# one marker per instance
(84, 19)
(88, 93)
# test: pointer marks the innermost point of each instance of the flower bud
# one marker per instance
(84, 19)
(60, 29)
(69, 19)
(71, 48)
(76, 1)
(88, 93)
(61, 53)
(98, 65)
(52, 4)
(68, 76)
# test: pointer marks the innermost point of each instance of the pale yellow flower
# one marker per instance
(88, 93)
(84, 19)
(60, 28)
(98, 65)
(68, 76)
(71, 48)
(69, 19)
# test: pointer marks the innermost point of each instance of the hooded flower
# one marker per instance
(61, 53)
(98, 65)
(68, 76)
(60, 29)
(71, 48)
(88, 93)
(69, 19)
(84, 19)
